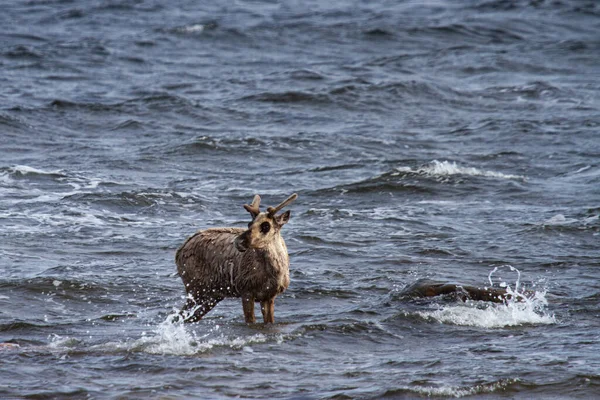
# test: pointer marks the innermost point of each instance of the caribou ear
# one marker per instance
(283, 219)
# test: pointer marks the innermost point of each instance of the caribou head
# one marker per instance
(265, 226)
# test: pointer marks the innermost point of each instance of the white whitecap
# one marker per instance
(446, 168)
(457, 392)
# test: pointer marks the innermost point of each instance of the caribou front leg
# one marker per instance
(268, 310)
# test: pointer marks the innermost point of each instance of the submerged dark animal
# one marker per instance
(249, 263)
(430, 288)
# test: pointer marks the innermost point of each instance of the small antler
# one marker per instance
(273, 210)
(253, 208)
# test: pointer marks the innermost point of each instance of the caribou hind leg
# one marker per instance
(194, 309)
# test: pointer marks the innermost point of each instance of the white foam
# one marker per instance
(446, 168)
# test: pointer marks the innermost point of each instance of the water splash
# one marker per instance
(521, 307)
(169, 337)
(174, 337)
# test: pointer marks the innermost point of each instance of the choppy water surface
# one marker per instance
(451, 140)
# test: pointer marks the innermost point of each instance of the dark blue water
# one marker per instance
(451, 140)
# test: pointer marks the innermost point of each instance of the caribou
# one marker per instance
(251, 263)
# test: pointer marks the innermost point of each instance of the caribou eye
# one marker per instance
(265, 227)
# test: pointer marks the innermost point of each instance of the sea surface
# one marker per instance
(455, 140)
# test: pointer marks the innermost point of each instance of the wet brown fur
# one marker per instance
(235, 262)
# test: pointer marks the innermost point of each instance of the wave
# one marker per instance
(305, 75)
(23, 37)
(68, 288)
(587, 174)
(21, 326)
(561, 222)
(128, 125)
(25, 170)
(192, 29)
(72, 179)
(123, 200)
(22, 184)
(361, 94)
(423, 179)
(443, 169)
(145, 101)
(522, 7)
(203, 143)
(11, 121)
(9, 346)
(66, 104)
(210, 31)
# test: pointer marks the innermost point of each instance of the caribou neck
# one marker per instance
(276, 255)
